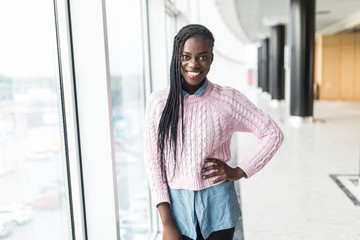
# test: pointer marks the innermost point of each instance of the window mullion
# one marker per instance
(93, 93)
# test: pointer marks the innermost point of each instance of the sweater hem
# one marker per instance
(194, 185)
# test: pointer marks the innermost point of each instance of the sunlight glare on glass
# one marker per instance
(22, 41)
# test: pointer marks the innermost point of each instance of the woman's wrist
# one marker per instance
(239, 173)
(170, 222)
(166, 215)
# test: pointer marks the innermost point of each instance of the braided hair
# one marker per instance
(168, 125)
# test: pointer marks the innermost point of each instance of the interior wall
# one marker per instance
(337, 66)
(230, 55)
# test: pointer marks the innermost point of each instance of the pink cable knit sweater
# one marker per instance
(209, 122)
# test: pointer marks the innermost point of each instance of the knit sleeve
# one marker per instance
(249, 118)
(158, 186)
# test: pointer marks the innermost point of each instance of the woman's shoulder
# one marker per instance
(226, 91)
(158, 97)
(160, 94)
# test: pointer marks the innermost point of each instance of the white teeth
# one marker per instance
(193, 73)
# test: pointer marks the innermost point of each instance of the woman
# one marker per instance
(188, 131)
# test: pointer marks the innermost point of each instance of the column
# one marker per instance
(277, 72)
(259, 76)
(265, 64)
(302, 28)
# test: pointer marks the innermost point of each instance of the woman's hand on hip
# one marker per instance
(222, 171)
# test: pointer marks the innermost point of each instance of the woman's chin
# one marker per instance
(194, 81)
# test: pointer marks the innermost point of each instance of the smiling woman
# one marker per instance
(188, 131)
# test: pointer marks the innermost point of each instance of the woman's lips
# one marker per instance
(193, 74)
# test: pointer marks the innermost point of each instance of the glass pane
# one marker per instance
(170, 34)
(127, 89)
(33, 188)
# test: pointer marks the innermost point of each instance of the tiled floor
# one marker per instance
(294, 197)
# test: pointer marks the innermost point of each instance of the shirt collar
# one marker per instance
(199, 91)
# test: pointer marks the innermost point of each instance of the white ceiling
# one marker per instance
(250, 20)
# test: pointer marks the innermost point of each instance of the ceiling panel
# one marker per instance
(256, 16)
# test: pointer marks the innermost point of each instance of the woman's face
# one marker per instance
(196, 60)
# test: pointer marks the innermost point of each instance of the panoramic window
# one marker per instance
(128, 106)
(33, 187)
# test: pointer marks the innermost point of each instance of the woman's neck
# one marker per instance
(191, 89)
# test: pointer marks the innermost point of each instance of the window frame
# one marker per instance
(82, 46)
(70, 119)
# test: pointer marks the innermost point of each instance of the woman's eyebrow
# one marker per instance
(198, 53)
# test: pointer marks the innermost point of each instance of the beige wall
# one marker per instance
(337, 66)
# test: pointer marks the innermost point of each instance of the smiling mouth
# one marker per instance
(193, 74)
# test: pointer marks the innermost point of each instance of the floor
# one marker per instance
(296, 196)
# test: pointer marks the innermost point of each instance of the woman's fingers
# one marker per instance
(222, 171)
(218, 164)
(219, 179)
(217, 173)
(214, 160)
(219, 176)
(212, 167)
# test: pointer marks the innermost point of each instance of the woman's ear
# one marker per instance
(212, 57)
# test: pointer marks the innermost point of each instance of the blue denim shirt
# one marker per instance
(199, 91)
(214, 209)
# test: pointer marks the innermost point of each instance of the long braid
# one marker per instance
(168, 125)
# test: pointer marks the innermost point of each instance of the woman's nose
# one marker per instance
(193, 62)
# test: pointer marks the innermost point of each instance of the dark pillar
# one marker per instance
(259, 80)
(277, 72)
(302, 28)
(265, 64)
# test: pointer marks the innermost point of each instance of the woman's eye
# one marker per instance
(203, 58)
(185, 57)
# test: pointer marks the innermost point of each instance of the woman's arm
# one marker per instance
(246, 117)
(249, 118)
(170, 228)
(157, 181)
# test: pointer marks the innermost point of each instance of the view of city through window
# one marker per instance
(33, 188)
(128, 105)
